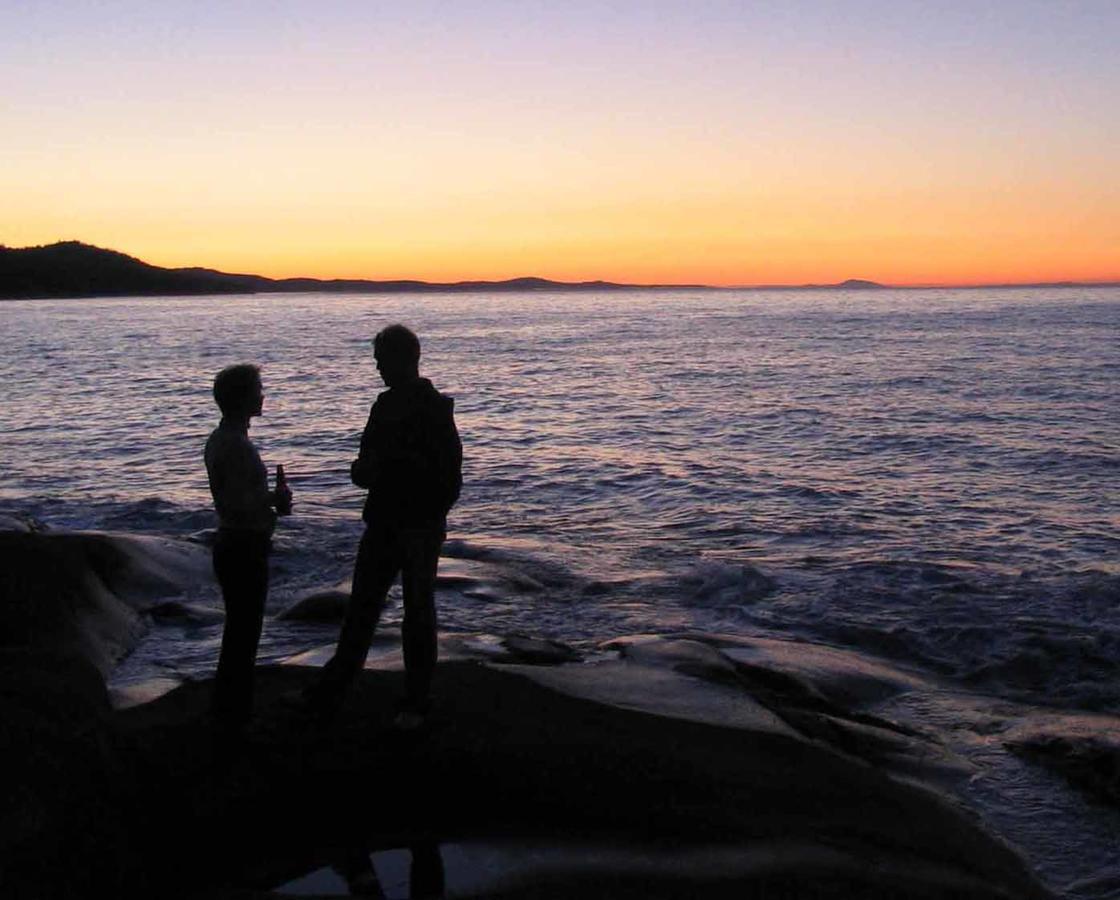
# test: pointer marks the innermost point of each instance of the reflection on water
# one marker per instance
(416, 873)
(621, 426)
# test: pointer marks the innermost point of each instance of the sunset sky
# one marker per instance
(725, 143)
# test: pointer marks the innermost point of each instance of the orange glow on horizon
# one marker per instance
(664, 219)
(654, 143)
(784, 238)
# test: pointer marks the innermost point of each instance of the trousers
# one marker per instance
(241, 567)
(385, 552)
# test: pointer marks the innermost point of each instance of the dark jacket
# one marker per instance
(410, 459)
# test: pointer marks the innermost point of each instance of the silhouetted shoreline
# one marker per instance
(72, 269)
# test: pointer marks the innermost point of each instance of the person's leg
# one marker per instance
(418, 580)
(361, 877)
(241, 566)
(425, 874)
(375, 568)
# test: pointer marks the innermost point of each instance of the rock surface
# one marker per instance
(751, 810)
(83, 592)
(326, 605)
(671, 766)
(69, 609)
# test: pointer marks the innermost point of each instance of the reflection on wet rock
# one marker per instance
(184, 613)
(538, 650)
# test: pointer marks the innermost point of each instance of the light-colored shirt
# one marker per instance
(238, 480)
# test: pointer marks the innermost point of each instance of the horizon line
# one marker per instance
(871, 283)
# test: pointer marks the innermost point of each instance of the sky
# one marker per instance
(655, 142)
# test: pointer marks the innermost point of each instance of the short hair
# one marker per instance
(234, 387)
(397, 342)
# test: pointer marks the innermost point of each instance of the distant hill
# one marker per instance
(850, 284)
(856, 284)
(74, 269)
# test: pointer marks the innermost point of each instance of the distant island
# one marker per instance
(75, 269)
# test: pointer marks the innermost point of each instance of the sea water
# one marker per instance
(926, 477)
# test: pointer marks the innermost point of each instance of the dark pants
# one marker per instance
(241, 565)
(383, 553)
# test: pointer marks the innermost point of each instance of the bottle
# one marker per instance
(283, 493)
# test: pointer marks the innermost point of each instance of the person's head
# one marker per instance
(397, 351)
(238, 391)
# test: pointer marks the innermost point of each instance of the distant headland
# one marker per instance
(75, 269)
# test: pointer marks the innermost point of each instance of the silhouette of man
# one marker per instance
(246, 517)
(410, 462)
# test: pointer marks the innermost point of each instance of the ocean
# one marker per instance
(927, 479)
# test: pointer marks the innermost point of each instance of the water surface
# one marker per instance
(928, 477)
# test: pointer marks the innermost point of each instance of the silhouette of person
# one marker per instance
(410, 462)
(247, 512)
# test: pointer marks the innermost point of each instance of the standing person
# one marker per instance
(247, 512)
(410, 462)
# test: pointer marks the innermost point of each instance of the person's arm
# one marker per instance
(449, 457)
(363, 470)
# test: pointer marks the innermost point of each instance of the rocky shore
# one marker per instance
(661, 766)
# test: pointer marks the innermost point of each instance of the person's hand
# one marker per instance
(282, 496)
(284, 500)
(361, 473)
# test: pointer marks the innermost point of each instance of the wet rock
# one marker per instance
(83, 591)
(691, 809)
(478, 580)
(69, 606)
(682, 654)
(846, 678)
(713, 583)
(790, 696)
(53, 597)
(466, 575)
(1092, 763)
(176, 611)
(523, 648)
(327, 605)
(64, 819)
(140, 692)
(206, 537)
(14, 522)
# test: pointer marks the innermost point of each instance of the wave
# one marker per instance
(1051, 641)
(711, 582)
(520, 561)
